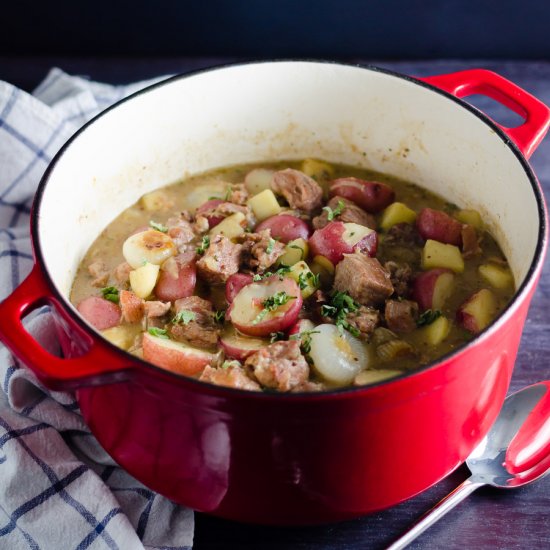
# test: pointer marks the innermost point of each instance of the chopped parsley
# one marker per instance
(225, 197)
(280, 272)
(184, 317)
(110, 293)
(270, 246)
(219, 316)
(158, 332)
(340, 306)
(428, 317)
(204, 245)
(331, 214)
(305, 339)
(272, 303)
(158, 226)
(232, 363)
(307, 278)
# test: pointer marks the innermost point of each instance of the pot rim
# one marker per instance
(196, 385)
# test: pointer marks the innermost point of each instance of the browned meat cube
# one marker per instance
(363, 278)
(98, 270)
(221, 260)
(122, 272)
(260, 251)
(231, 376)
(180, 230)
(365, 320)
(403, 234)
(195, 323)
(238, 194)
(400, 276)
(401, 315)
(156, 308)
(131, 306)
(280, 365)
(299, 190)
(350, 214)
(470, 242)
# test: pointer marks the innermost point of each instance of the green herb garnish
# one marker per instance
(428, 317)
(110, 293)
(219, 316)
(280, 272)
(270, 245)
(232, 363)
(184, 317)
(158, 332)
(158, 226)
(331, 214)
(305, 339)
(307, 278)
(340, 306)
(272, 303)
(204, 245)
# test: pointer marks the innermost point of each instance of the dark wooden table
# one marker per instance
(488, 519)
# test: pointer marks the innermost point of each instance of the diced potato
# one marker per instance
(122, 336)
(376, 375)
(264, 205)
(317, 169)
(436, 254)
(295, 251)
(231, 227)
(477, 311)
(301, 273)
(156, 200)
(324, 268)
(497, 276)
(471, 217)
(437, 331)
(143, 279)
(395, 213)
(258, 180)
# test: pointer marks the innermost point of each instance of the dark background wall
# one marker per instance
(392, 29)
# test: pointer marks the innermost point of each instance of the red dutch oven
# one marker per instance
(299, 458)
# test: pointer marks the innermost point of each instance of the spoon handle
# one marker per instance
(438, 511)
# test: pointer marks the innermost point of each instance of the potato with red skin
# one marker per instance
(249, 316)
(235, 283)
(285, 228)
(432, 288)
(335, 239)
(372, 196)
(237, 346)
(170, 287)
(175, 356)
(207, 206)
(438, 226)
(99, 312)
(477, 311)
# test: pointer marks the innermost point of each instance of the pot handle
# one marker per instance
(528, 135)
(98, 364)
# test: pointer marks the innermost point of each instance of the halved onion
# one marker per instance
(337, 357)
(149, 246)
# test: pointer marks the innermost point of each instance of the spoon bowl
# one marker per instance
(515, 452)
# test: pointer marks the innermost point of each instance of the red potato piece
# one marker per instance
(174, 356)
(209, 206)
(238, 346)
(285, 228)
(438, 226)
(99, 312)
(334, 240)
(477, 311)
(371, 196)
(234, 285)
(170, 288)
(247, 305)
(432, 288)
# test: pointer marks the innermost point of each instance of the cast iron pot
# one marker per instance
(301, 458)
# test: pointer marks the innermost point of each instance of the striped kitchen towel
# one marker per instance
(58, 487)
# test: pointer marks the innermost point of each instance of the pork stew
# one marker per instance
(292, 276)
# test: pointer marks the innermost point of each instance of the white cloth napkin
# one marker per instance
(58, 487)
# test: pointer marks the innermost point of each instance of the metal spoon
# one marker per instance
(516, 451)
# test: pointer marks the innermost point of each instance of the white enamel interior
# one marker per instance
(283, 110)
